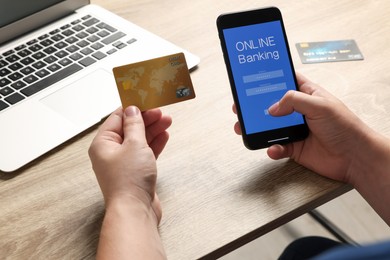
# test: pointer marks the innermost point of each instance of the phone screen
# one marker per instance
(262, 72)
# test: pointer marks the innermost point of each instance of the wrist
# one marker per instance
(129, 229)
(370, 174)
(129, 206)
(371, 158)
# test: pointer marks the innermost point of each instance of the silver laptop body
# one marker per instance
(83, 90)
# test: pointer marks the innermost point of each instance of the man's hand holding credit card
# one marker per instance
(154, 83)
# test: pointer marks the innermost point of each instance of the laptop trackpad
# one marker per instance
(87, 100)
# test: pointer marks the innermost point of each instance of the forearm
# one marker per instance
(129, 231)
(370, 173)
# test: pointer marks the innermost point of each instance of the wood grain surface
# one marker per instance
(216, 195)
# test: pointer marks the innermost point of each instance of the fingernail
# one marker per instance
(132, 111)
(272, 109)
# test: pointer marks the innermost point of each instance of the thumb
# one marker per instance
(295, 101)
(133, 126)
(278, 151)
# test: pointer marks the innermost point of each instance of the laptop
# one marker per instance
(56, 60)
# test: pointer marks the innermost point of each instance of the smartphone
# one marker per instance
(260, 70)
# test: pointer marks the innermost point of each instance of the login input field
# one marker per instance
(263, 76)
(266, 89)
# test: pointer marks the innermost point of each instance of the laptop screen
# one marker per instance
(18, 17)
(14, 10)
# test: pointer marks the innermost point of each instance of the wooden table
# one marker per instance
(216, 195)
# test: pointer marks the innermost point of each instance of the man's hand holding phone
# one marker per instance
(334, 130)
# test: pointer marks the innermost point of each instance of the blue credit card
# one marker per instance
(329, 51)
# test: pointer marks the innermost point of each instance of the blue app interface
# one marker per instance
(262, 74)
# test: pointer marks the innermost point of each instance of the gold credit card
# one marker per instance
(154, 83)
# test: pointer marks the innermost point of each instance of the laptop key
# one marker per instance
(3, 105)
(68, 32)
(113, 38)
(24, 53)
(6, 91)
(92, 30)
(54, 67)
(75, 22)
(86, 17)
(27, 70)
(54, 31)
(78, 28)
(18, 85)
(121, 46)
(50, 50)
(60, 45)
(75, 56)
(106, 26)
(103, 33)
(15, 66)
(82, 35)
(4, 72)
(20, 47)
(90, 22)
(111, 51)
(7, 53)
(93, 38)
(35, 47)
(86, 51)
(53, 78)
(72, 48)
(71, 40)
(97, 45)
(99, 55)
(3, 63)
(30, 79)
(4, 82)
(12, 58)
(46, 42)
(42, 73)
(38, 55)
(66, 26)
(61, 54)
(87, 61)
(50, 59)
(27, 61)
(43, 37)
(32, 42)
(82, 43)
(15, 76)
(14, 98)
(39, 65)
(65, 62)
(57, 37)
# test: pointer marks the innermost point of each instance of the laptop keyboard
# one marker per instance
(41, 62)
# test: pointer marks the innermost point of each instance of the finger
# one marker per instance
(157, 128)
(305, 85)
(113, 123)
(234, 108)
(237, 128)
(158, 143)
(134, 127)
(278, 151)
(297, 101)
(308, 87)
(301, 79)
(110, 130)
(151, 116)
